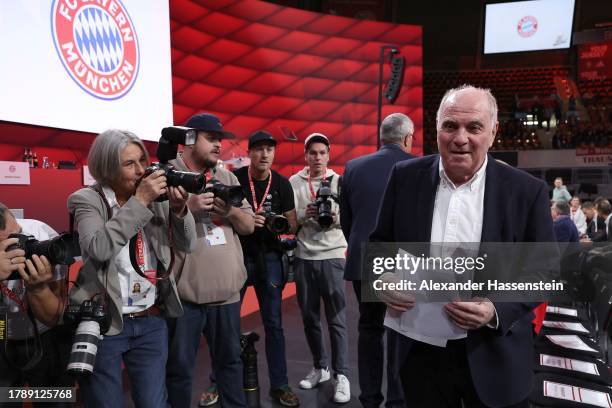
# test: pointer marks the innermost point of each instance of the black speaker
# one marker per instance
(395, 81)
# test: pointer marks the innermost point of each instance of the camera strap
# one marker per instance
(258, 207)
(4, 323)
(313, 195)
(137, 259)
(13, 296)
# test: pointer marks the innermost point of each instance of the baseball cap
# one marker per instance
(261, 136)
(207, 122)
(315, 137)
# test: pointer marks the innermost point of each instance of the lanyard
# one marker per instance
(13, 296)
(313, 195)
(138, 259)
(257, 207)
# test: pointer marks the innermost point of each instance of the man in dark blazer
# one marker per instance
(463, 195)
(363, 185)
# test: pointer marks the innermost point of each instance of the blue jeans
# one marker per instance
(143, 346)
(221, 326)
(269, 291)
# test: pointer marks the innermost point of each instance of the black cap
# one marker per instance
(207, 122)
(261, 136)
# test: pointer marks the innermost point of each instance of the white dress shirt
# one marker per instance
(458, 210)
(579, 220)
(145, 297)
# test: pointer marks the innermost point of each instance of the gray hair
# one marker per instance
(395, 127)
(490, 98)
(104, 159)
(4, 211)
(562, 207)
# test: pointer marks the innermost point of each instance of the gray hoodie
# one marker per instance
(315, 243)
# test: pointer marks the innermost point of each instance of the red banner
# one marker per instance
(595, 61)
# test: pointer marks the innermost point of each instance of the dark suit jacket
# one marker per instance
(363, 185)
(516, 209)
(565, 229)
(600, 234)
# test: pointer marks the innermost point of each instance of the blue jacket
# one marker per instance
(565, 229)
(516, 209)
(363, 185)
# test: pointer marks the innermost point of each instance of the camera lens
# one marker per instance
(277, 224)
(191, 182)
(84, 348)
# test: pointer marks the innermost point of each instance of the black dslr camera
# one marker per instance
(324, 204)
(167, 150)
(232, 195)
(277, 224)
(92, 324)
(60, 250)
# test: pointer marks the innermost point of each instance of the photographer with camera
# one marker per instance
(127, 236)
(271, 197)
(32, 295)
(319, 265)
(209, 280)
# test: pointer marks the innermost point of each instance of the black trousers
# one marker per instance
(371, 356)
(440, 377)
(50, 371)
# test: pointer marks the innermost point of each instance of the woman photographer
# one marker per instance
(126, 238)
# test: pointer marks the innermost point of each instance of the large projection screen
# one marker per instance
(528, 26)
(87, 65)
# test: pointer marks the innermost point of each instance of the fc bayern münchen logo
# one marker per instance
(97, 44)
(527, 26)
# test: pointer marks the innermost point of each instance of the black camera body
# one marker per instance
(277, 224)
(167, 149)
(92, 322)
(60, 250)
(191, 182)
(89, 310)
(232, 195)
(324, 204)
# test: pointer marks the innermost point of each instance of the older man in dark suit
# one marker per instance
(363, 185)
(463, 195)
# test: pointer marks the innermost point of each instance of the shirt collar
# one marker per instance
(111, 197)
(472, 184)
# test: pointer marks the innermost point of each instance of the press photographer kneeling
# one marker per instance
(127, 234)
(271, 196)
(32, 294)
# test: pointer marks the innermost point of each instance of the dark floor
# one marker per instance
(299, 361)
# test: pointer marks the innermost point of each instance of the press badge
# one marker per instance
(213, 234)
(140, 289)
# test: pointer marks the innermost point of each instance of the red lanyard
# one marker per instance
(257, 207)
(13, 296)
(140, 259)
(312, 192)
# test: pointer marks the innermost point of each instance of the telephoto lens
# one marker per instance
(84, 348)
(249, 362)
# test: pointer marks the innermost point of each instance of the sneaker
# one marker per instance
(284, 396)
(316, 376)
(209, 397)
(342, 389)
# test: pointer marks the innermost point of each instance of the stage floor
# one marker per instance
(299, 361)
